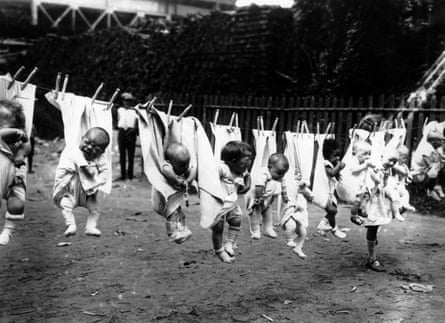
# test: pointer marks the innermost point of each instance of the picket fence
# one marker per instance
(344, 112)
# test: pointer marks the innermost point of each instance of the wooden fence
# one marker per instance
(344, 112)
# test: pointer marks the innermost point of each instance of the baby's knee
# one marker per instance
(15, 205)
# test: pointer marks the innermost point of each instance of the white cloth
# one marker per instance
(305, 146)
(78, 116)
(76, 176)
(323, 187)
(223, 134)
(126, 118)
(291, 153)
(296, 209)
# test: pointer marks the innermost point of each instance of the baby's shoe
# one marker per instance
(338, 233)
(299, 252)
(324, 227)
(71, 230)
(255, 232)
(433, 194)
(356, 219)
(399, 217)
(438, 189)
(224, 256)
(228, 247)
(182, 234)
(92, 231)
(270, 233)
(291, 243)
(7, 232)
(410, 208)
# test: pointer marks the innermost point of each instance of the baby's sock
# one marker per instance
(7, 232)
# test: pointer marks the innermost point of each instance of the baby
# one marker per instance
(236, 158)
(426, 163)
(333, 166)
(178, 173)
(294, 220)
(360, 167)
(268, 184)
(80, 173)
(13, 149)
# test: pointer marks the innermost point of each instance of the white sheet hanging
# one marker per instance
(223, 134)
(322, 187)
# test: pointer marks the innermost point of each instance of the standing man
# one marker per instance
(127, 133)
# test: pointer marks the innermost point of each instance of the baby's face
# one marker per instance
(403, 158)
(363, 155)
(436, 143)
(241, 165)
(277, 171)
(334, 158)
(180, 166)
(92, 146)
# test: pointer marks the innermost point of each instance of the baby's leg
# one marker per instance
(255, 216)
(404, 199)
(371, 238)
(290, 232)
(394, 196)
(67, 205)
(234, 220)
(217, 239)
(268, 229)
(93, 216)
(331, 213)
(301, 236)
(15, 208)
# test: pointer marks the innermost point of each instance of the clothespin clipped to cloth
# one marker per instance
(275, 123)
(97, 93)
(14, 78)
(113, 97)
(215, 118)
(318, 128)
(258, 124)
(328, 128)
(232, 119)
(65, 84)
(25, 83)
(149, 104)
(183, 113)
(57, 88)
(169, 111)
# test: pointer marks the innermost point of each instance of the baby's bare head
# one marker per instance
(11, 115)
(179, 156)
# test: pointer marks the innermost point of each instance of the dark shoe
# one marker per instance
(375, 265)
(356, 219)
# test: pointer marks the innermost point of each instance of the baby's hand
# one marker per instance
(342, 164)
(371, 164)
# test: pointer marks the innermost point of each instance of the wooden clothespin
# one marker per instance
(65, 83)
(232, 119)
(149, 104)
(14, 78)
(275, 123)
(25, 83)
(97, 93)
(57, 87)
(318, 128)
(236, 121)
(113, 97)
(298, 130)
(258, 124)
(262, 123)
(184, 112)
(169, 111)
(215, 118)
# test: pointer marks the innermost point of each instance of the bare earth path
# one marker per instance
(133, 274)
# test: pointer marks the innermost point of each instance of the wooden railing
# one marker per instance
(344, 112)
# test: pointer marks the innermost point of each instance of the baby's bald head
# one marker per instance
(11, 115)
(179, 156)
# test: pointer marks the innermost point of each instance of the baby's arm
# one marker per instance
(172, 178)
(334, 171)
(243, 189)
(13, 135)
(356, 169)
(400, 169)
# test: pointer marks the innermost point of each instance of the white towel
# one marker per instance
(78, 116)
(322, 185)
(291, 152)
(305, 145)
(223, 134)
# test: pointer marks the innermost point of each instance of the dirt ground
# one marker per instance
(134, 274)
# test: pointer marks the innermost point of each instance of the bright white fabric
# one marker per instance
(323, 187)
(223, 134)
